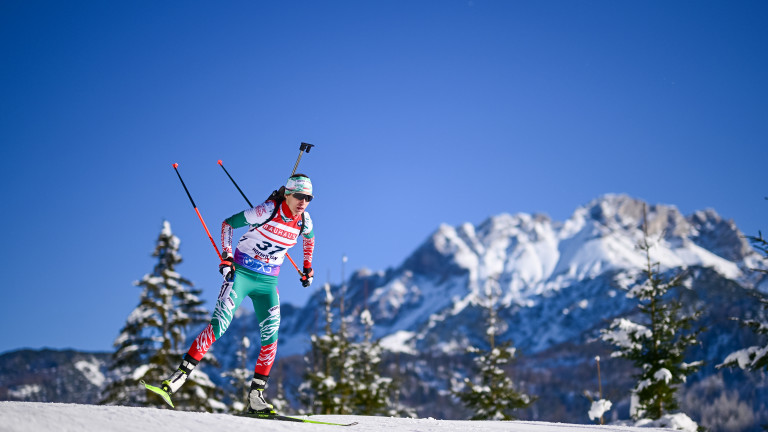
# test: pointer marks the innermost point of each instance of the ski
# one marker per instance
(291, 419)
(166, 397)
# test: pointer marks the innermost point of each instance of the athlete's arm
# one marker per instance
(309, 240)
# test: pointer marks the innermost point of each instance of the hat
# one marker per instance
(299, 184)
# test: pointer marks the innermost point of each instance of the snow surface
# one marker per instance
(35, 417)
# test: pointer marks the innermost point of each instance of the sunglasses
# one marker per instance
(302, 197)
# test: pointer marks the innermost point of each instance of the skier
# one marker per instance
(251, 271)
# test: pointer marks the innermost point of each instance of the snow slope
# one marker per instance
(37, 417)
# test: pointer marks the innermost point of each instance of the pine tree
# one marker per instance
(492, 394)
(343, 375)
(656, 346)
(152, 342)
(754, 358)
(326, 388)
(371, 392)
(128, 363)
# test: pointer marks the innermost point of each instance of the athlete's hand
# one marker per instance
(306, 279)
(227, 268)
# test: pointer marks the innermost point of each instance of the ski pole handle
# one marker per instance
(176, 168)
(302, 148)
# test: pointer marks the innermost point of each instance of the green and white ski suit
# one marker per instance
(257, 259)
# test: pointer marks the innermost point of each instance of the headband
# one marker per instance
(299, 185)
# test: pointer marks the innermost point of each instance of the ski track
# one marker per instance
(37, 417)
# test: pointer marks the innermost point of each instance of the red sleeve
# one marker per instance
(309, 247)
(226, 237)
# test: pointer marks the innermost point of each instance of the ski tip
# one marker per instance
(160, 392)
(175, 165)
(220, 163)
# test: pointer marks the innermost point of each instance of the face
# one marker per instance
(297, 206)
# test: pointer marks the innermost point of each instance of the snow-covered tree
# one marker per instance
(327, 387)
(656, 346)
(128, 363)
(343, 375)
(755, 357)
(492, 395)
(370, 391)
(153, 340)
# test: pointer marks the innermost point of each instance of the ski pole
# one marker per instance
(221, 164)
(176, 168)
(304, 147)
(235, 183)
(294, 265)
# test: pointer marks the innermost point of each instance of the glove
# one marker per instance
(227, 268)
(306, 280)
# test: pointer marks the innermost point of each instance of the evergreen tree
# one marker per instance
(492, 394)
(153, 340)
(128, 363)
(754, 358)
(343, 375)
(326, 388)
(658, 344)
(370, 392)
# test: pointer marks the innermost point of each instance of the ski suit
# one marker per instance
(257, 259)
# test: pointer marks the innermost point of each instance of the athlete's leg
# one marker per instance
(230, 297)
(266, 304)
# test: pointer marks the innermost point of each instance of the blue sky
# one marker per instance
(422, 112)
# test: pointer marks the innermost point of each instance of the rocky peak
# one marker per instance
(618, 211)
(718, 235)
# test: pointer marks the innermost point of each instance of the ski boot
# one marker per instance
(176, 380)
(179, 377)
(257, 403)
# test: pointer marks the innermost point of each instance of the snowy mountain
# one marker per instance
(558, 279)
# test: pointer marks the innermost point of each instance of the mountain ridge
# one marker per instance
(532, 257)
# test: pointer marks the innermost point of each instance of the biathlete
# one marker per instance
(251, 271)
